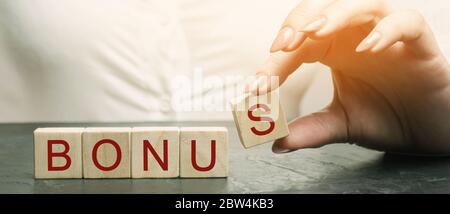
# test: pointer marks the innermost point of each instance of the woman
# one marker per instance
(113, 61)
(391, 81)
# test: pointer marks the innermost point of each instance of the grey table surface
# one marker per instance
(332, 169)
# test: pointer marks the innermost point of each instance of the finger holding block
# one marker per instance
(259, 119)
(106, 153)
(203, 152)
(155, 152)
(57, 153)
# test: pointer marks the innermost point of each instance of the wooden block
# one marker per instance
(57, 153)
(155, 152)
(106, 153)
(203, 152)
(259, 119)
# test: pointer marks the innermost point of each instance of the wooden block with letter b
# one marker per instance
(203, 152)
(57, 153)
(155, 152)
(106, 153)
(259, 119)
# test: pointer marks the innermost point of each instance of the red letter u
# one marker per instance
(194, 156)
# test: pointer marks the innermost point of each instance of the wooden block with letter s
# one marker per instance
(155, 152)
(57, 153)
(259, 119)
(106, 153)
(203, 152)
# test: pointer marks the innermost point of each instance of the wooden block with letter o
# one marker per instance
(57, 153)
(259, 119)
(155, 152)
(106, 153)
(203, 152)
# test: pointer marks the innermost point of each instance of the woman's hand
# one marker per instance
(392, 83)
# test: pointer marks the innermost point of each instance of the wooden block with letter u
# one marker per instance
(259, 119)
(57, 153)
(106, 153)
(155, 152)
(203, 152)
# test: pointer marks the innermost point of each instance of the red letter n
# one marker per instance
(148, 147)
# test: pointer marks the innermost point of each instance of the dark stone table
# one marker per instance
(331, 169)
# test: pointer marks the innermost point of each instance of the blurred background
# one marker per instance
(113, 60)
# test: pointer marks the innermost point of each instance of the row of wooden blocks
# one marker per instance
(140, 152)
(156, 152)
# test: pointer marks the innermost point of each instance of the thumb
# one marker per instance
(315, 130)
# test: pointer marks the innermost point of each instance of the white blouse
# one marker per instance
(88, 60)
(113, 60)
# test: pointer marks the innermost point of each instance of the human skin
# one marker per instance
(391, 81)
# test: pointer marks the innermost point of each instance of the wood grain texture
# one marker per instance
(203, 152)
(71, 136)
(259, 119)
(107, 153)
(161, 139)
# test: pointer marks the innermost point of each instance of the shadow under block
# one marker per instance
(203, 152)
(259, 119)
(57, 153)
(155, 152)
(106, 153)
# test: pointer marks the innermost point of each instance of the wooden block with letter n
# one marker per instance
(259, 119)
(57, 153)
(203, 152)
(155, 152)
(106, 153)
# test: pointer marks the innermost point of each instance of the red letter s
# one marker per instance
(255, 118)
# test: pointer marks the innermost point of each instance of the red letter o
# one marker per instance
(118, 157)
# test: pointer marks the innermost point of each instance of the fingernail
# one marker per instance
(315, 25)
(369, 42)
(298, 39)
(262, 89)
(256, 86)
(277, 150)
(283, 39)
(281, 151)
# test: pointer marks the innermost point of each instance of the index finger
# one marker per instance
(281, 64)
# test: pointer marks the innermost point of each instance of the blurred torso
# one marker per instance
(97, 60)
